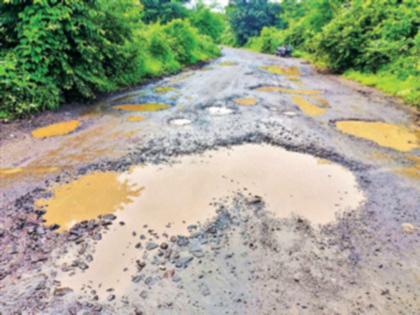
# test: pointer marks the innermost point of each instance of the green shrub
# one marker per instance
(374, 41)
(207, 22)
(56, 51)
(269, 39)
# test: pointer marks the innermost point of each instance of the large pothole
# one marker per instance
(167, 199)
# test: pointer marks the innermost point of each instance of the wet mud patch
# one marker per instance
(146, 107)
(292, 72)
(227, 63)
(246, 101)
(9, 176)
(307, 107)
(159, 201)
(135, 118)
(164, 89)
(387, 135)
(413, 170)
(57, 129)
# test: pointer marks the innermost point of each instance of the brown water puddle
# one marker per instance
(412, 171)
(227, 63)
(164, 89)
(148, 107)
(176, 196)
(292, 72)
(9, 175)
(86, 198)
(58, 129)
(246, 101)
(307, 107)
(277, 89)
(135, 118)
(387, 135)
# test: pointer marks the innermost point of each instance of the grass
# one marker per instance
(408, 89)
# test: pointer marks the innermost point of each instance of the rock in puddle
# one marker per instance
(183, 262)
(151, 245)
(62, 291)
(137, 279)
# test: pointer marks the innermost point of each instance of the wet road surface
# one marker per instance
(250, 185)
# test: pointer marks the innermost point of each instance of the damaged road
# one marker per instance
(251, 185)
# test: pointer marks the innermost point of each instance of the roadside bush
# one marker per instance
(375, 38)
(269, 39)
(62, 50)
(58, 51)
(207, 22)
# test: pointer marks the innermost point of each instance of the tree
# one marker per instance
(207, 22)
(163, 11)
(248, 17)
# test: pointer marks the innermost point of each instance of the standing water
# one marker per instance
(168, 198)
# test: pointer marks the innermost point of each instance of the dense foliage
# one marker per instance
(248, 17)
(56, 51)
(208, 22)
(373, 41)
(163, 11)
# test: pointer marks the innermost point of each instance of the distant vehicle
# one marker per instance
(284, 51)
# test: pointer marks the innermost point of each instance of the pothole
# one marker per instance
(57, 129)
(180, 122)
(292, 71)
(219, 110)
(164, 89)
(147, 107)
(227, 63)
(135, 118)
(387, 135)
(307, 107)
(86, 198)
(246, 101)
(157, 199)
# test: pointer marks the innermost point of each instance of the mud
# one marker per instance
(57, 129)
(292, 72)
(246, 101)
(150, 107)
(307, 107)
(388, 135)
(136, 118)
(246, 256)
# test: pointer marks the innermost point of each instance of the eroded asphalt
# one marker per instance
(245, 260)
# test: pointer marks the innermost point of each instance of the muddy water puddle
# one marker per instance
(164, 89)
(387, 135)
(291, 72)
(246, 101)
(307, 107)
(135, 118)
(147, 107)
(57, 129)
(168, 198)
